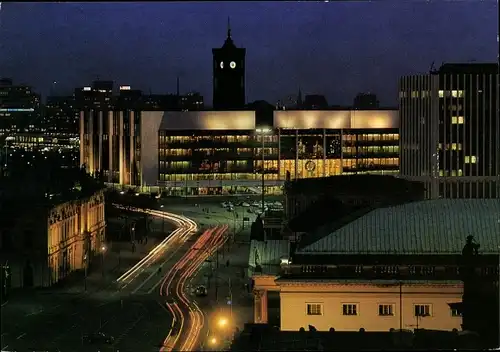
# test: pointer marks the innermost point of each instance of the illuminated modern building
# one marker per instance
(393, 268)
(450, 132)
(47, 243)
(216, 152)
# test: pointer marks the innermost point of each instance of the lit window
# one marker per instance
(314, 308)
(460, 172)
(457, 93)
(414, 94)
(457, 120)
(349, 309)
(385, 310)
(422, 310)
(470, 159)
(441, 94)
(455, 312)
(441, 173)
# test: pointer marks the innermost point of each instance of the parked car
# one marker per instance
(99, 337)
(201, 291)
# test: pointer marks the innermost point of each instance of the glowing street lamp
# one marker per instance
(222, 322)
(213, 341)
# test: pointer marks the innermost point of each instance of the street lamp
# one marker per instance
(263, 132)
(103, 250)
(163, 221)
(213, 341)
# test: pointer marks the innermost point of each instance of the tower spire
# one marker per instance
(228, 27)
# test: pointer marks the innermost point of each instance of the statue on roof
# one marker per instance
(471, 248)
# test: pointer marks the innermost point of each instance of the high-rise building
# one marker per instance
(228, 75)
(450, 130)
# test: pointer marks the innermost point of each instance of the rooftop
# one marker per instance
(425, 227)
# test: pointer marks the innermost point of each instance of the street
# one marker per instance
(127, 306)
(189, 319)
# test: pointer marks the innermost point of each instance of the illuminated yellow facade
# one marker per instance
(76, 232)
(349, 305)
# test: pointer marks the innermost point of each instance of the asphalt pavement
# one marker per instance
(129, 309)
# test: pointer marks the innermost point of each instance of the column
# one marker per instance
(324, 152)
(257, 310)
(131, 161)
(100, 133)
(111, 137)
(82, 139)
(263, 306)
(120, 148)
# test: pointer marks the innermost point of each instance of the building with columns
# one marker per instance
(218, 152)
(394, 268)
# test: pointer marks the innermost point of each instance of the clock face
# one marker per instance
(232, 64)
(221, 64)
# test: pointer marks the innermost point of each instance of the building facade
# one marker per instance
(214, 152)
(450, 130)
(50, 242)
(225, 152)
(351, 305)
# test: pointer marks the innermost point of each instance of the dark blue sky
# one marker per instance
(336, 48)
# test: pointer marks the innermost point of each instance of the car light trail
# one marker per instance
(190, 263)
(186, 228)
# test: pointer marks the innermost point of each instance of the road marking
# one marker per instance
(21, 336)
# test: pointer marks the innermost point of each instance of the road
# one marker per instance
(127, 309)
(188, 318)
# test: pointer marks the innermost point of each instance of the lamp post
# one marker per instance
(262, 132)
(103, 250)
(163, 222)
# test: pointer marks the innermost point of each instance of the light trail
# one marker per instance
(187, 227)
(204, 247)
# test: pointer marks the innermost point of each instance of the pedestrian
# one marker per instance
(227, 263)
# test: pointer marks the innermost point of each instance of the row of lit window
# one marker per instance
(371, 137)
(427, 94)
(385, 309)
(192, 139)
(370, 162)
(371, 149)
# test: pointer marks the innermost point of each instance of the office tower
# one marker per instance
(450, 132)
(364, 101)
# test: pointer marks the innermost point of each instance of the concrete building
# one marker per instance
(215, 152)
(450, 132)
(393, 268)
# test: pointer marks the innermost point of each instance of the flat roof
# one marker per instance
(424, 227)
(208, 120)
(336, 119)
(283, 119)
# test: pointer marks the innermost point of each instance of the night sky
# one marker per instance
(337, 48)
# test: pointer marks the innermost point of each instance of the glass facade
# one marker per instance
(213, 162)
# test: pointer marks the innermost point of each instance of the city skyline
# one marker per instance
(137, 52)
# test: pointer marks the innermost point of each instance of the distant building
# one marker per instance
(228, 76)
(19, 108)
(364, 101)
(450, 135)
(314, 102)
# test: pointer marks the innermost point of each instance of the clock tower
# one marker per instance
(228, 75)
